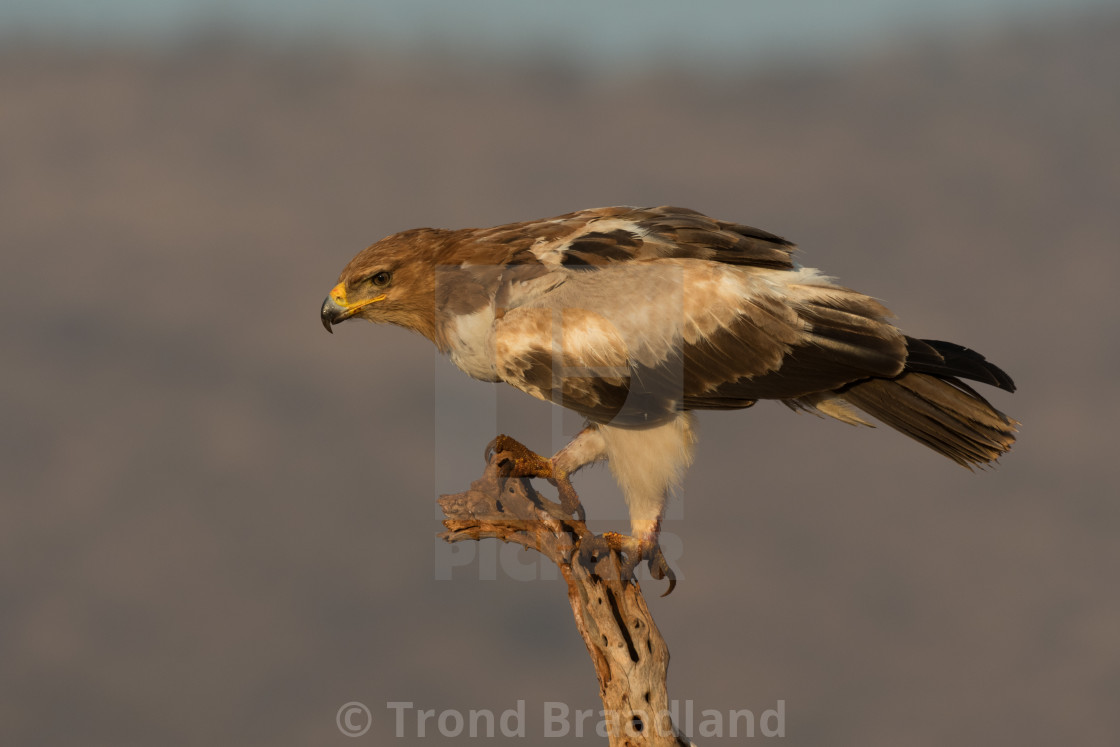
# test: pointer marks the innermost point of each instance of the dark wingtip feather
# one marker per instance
(945, 359)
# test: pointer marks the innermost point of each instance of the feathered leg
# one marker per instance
(648, 464)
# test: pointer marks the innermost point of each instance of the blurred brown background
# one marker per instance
(217, 521)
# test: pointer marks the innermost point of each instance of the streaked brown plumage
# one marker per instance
(635, 316)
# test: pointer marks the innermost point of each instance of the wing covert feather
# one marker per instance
(643, 340)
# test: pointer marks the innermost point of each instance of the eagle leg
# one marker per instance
(520, 461)
(631, 552)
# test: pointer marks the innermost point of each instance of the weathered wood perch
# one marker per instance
(630, 656)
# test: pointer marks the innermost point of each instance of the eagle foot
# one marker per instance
(631, 552)
(520, 461)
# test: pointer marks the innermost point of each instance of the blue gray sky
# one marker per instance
(595, 31)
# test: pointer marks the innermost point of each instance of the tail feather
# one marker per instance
(939, 411)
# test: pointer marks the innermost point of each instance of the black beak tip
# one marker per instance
(326, 314)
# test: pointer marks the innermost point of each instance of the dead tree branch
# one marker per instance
(630, 657)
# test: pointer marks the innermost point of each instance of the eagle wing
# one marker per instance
(632, 315)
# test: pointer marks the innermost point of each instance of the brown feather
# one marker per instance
(949, 420)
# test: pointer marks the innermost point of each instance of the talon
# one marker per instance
(569, 501)
(659, 569)
(492, 448)
(523, 462)
(631, 552)
(503, 443)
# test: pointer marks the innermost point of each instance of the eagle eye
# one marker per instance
(381, 278)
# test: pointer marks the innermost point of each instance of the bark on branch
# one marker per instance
(630, 657)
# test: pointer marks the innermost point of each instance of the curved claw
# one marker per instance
(631, 552)
(659, 569)
(497, 445)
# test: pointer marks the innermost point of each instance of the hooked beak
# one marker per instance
(336, 307)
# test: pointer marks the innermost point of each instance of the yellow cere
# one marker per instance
(338, 295)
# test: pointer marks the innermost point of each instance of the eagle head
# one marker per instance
(391, 282)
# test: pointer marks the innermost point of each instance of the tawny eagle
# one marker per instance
(634, 317)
